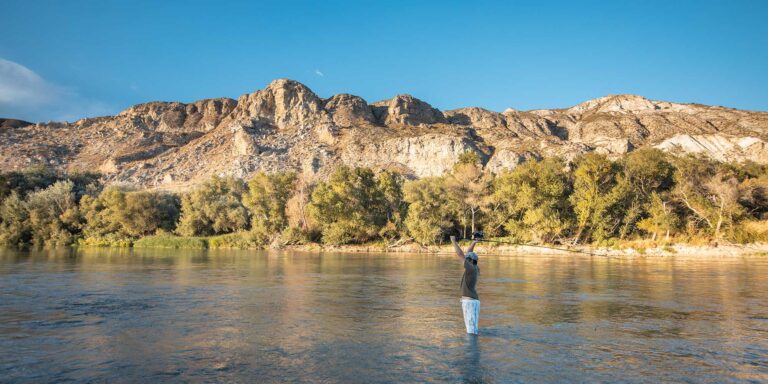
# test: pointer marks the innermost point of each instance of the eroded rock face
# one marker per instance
(349, 110)
(718, 147)
(420, 156)
(286, 104)
(476, 117)
(406, 110)
(286, 126)
(201, 115)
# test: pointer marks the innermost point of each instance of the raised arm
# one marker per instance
(456, 247)
(472, 246)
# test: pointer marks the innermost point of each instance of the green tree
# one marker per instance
(53, 215)
(429, 209)
(102, 213)
(391, 186)
(349, 207)
(754, 196)
(15, 230)
(469, 187)
(266, 199)
(121, 213)
(301, 227)
(146, 212)
(643, 173)
(594, 197)
(710, 192)
(41, 177)
(531, 201)
(214, 208)
(661, 219)
(29, 180)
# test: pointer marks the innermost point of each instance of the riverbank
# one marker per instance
(637, 248)
(485, 248)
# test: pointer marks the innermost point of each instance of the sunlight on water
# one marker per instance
(162, 315)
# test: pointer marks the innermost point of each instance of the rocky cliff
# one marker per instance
(285, 126)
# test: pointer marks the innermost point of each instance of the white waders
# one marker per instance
(471, 309)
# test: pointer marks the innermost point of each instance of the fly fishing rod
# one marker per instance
(479, 236)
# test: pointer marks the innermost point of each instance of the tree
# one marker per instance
(102, 213)
(15, 230)
(594, 180)
(429, 209)
(754, 196)
(710, 192)
(649, 171)
(391, 186)
(214, 208)
(661, 219)
(642, 173)
(349, 207)
(41, 177)
(32, 179)
(300, 224)
(122, 213)
(531, 201)
(53, 215)
(266, 199)
(469, 186)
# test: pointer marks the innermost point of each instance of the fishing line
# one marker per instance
(542, 246)
(478, 236)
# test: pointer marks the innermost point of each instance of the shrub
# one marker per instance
(214, 208)
(110, 240)
(128, 214)
(429, 209)
(170, 241)
(266, 200)
(15, 229)
(240, 240)
(349, 207)
(53, 215)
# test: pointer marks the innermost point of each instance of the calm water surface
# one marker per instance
(190, 316)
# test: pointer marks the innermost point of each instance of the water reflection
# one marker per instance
(469, 365)
(167, 315)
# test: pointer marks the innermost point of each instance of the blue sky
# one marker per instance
(63, 60)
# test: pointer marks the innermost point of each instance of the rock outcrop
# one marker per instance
(349, 110)
(286, 126)
(13, 123)
(406, 110)
(718, 147)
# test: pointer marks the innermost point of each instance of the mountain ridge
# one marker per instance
(174, 145)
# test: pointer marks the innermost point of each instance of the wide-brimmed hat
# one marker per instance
(472, 255)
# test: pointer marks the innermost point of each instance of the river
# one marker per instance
(246, 316)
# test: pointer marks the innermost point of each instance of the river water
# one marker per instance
(244, 316)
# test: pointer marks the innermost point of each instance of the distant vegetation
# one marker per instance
(645, 195)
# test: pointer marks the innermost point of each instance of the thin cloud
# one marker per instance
(20, 86)
(26, 95)
(319, 73)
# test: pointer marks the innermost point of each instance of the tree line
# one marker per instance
(647, 194)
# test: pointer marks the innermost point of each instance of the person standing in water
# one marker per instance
(470, 302)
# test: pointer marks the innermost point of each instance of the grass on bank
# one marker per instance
(170, 241)
(246, 240)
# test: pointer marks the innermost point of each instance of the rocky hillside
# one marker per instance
(173, 145)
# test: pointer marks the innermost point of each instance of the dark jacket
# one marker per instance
(469, 280)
